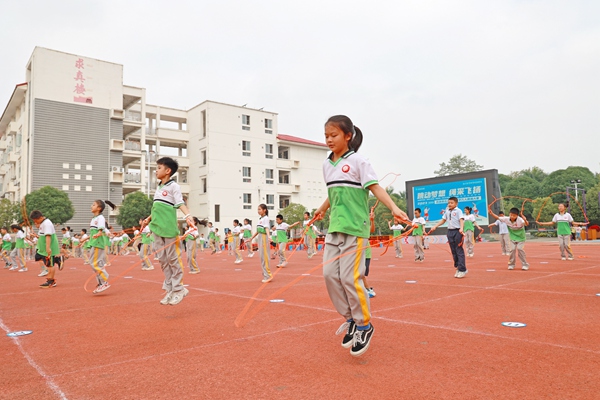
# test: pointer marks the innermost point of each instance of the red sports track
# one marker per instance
(438, 338)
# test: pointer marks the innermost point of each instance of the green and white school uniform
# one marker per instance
(469, 232)
(397, 231)
(563, 232)
(417, 235)
(516, 234)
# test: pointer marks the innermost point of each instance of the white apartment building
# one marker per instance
(75, 126)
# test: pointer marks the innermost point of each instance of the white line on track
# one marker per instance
(48, 379)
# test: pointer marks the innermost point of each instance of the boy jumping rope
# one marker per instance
(454, 216)
(48, 250)
(163, 223)
(516, 230)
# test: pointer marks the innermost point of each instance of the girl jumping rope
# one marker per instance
(349, 178)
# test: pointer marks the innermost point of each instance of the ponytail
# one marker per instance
(345, 125)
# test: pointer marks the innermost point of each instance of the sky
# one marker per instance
(509, 84)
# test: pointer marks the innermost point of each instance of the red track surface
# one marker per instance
(440, 338)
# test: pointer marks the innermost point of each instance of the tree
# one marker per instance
(559, 180)
(9, 212)
(535, 173)
(523, 186)
(135, 206)
(383, 214)
(504, 180)
(593, 206)
(53, 203)
(294, 212)
(458, 164)
(548, 210)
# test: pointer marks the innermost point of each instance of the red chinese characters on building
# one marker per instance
(79, 83)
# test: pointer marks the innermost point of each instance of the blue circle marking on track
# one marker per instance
(19, 333)
(277, 301)
(514, 324)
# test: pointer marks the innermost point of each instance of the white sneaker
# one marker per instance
(564, 259)
(511, 267)
(43, 273)
(167, 298)
(196, 271)
(456, 273)
(570, 259)
(178, 296)
(525, 267)
(461, 274)
(23, 269)
(237, 261)
(13, 268)
(251, 254)
(102, 287)
(267, 280)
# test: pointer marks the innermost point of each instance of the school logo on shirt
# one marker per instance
(346, 168)
(164, 193)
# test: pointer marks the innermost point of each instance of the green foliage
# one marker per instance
(10, 213)
(504, 180)
(458, 164)
(292, 213)
(53, 203)
(559, 180)
(535, 173)
(548, 210)
(523, 186)
(383, 214)
(135, 206)
(593, 208)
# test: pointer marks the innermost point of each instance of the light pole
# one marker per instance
(576, 182)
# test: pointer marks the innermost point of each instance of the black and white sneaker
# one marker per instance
(361, 341)
(348, 328)
(48, 284)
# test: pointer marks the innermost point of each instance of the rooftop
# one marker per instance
(296, 139)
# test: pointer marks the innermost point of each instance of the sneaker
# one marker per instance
(24, 269)
(167, 298)
(13, 268)
(511, 267)
(7, 265)
(267, 280)
(456, 273)
(48, 284)
(461, 274)
(570, 259)
(564, 259)
(348, 327)
(195, 271)
(371, 292)
(102, 287)
(251, 254)
(471, 255)
(310, 255)
(361, 341)
(525, 267)
(283, 265)
(43, 273)
(178, 296)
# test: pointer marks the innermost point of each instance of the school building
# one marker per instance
(74, 125)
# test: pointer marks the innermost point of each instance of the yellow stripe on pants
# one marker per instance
(361, 293)
(179, 260)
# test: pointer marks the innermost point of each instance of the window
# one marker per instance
(246, 122)
(283, 152)
(247, 174)
(247, 201)
(88, 188)
(77, 188)
(77, 166)
(203, 123)
(77, 176)
(270, 201)
(203, 157)
(284, 177)
(284, 201)
(66, 165)
(269, 176)
(268, 126)
(217, 213)
(203, 185)
(65, 176)
(88, 167)
(246, 148)
(268, 150)
(65, 187)
(88, 177)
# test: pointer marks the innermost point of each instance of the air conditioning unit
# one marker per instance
(116, 168)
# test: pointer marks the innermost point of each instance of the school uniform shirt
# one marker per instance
(125, 239)
(192, 235)
(563, 223)
(502, 229)
(146, 235)
(47, 229)
(469, 224)
(453, 217)
(247, 231)
(397, 229)
(211, 233)
(98, 224)
(516, 229)
(420, 222)
(20, 240)
(282, 232)
(263, 225)
(311, 230)
(167, 199)
(347, 181)
(6, 242)
(236, 230)
(66, 237)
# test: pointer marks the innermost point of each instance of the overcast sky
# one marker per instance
(509, 84)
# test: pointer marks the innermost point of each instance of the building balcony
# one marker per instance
(13, 157)
(184, 162)
(185, 188)
(130, 187)
(287, 164)
(12, 128)
(132, 121)
(172, 135)
(11, 187)
(3, 144)
(3, 169)
(116, 176)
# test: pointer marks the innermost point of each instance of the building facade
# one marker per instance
(74, 125)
